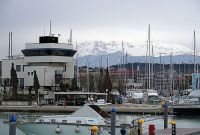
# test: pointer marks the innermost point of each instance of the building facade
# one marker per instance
(52, 61)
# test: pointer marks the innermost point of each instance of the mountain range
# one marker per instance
(99, 52)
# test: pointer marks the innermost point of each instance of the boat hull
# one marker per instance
(65, 129)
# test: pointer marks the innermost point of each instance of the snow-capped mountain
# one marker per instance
(97, 51)
(97, 48)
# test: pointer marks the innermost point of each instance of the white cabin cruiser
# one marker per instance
(77, 123)
(151, 97)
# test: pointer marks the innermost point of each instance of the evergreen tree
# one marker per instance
(13, 81)
(61, 86)
(74, 85)
(100, 83)
(36, 84)
(91, 86)
(107, 82)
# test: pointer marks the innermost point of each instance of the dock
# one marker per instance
(120, 108)
(187, 109)
(179, 131)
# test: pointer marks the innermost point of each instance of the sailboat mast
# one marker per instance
(125, 72)
(77, 68)
(88, 77)
(194, 53)
(132, 75)
(146, 80)
(123, 64)
(149, 58)
(152, 66)
(171, 75)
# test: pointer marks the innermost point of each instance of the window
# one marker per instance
(18, 68)
(78, 121)
(28, 73)
(31, 73)
(64, 121)
(64, 68)
(21, 82)
(53, 120)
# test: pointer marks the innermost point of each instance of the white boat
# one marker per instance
(101, 102)
(151, 97)
(77, 123)
(135, 96)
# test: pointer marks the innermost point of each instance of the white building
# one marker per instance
(52, 61)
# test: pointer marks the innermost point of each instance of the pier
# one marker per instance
(188, 109)
(120, 108)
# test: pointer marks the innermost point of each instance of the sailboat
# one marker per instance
(195, 77)
(150, 95)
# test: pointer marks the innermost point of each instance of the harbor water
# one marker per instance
(182, 122)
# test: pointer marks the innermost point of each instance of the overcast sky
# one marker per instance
(171, 20)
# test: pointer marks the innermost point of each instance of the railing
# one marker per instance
(21, 118)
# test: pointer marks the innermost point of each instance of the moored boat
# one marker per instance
(79, 122)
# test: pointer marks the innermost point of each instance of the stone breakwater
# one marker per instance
(120, 108)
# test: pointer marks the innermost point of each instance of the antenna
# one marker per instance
(70, 40)
(50, 28)
(9, 47)
(11, 44)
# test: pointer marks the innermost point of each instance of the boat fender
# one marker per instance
(77, 129)
(58, 130)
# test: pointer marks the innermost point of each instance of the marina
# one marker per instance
(183, 123)
(99, 67)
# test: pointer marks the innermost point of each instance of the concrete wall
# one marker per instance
(6, 66)
(15, 103)
(46, 75)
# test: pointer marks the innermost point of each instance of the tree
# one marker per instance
(13, 81)
(107, 82)
(100, 83)
(74, 85)
(91, 86)
(36, 84)
(62, 86)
